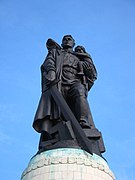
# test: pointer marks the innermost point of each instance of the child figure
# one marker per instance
(83, 55)
(86, 65)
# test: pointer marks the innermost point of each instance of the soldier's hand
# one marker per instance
(50, 76)
(86, 66)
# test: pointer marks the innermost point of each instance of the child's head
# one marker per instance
(80, 49)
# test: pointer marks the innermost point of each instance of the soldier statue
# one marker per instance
(73, 73)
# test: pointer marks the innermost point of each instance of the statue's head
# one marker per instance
(80, 49)
(68, 42)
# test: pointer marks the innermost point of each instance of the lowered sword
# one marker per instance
(68, 115)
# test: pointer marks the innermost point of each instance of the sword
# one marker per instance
(68, 115)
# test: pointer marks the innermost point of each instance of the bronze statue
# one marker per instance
(73, 73)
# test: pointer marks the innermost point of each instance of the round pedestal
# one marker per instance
(67, 164)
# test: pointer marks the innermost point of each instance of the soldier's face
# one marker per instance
(67, 42)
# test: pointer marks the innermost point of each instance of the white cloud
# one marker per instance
(6, 139)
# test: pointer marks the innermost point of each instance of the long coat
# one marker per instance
(51, 70)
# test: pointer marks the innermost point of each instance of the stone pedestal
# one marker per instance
(67, 164)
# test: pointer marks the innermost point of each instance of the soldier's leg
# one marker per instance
(80, 105)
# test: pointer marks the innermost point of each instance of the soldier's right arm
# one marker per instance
(48, 68)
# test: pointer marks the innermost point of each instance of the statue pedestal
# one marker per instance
(67, 164)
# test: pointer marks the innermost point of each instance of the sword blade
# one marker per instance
(68, 115)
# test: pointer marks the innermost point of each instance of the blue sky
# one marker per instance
(107, 30)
